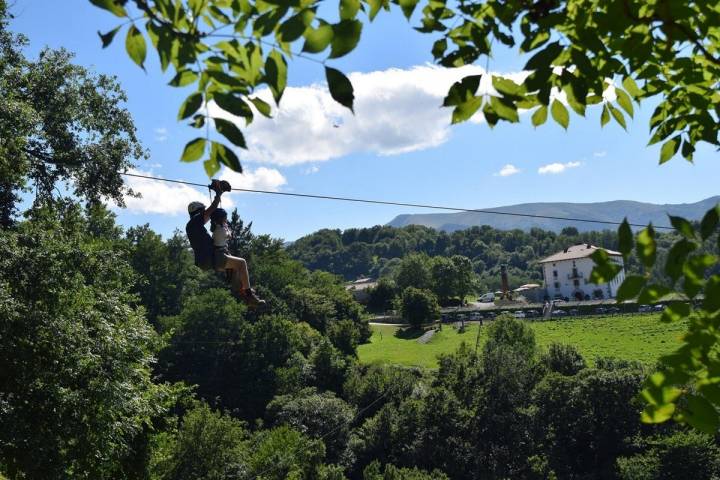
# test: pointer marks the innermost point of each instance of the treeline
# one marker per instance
(377, 251)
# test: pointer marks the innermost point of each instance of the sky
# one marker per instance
(399, 146)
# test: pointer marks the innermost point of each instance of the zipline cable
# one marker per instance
(399, 204)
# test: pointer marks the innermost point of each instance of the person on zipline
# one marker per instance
(212, 253)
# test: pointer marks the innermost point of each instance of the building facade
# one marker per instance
(567, 274)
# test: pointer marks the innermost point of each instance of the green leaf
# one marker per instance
(183, 78)
(318, 39)
(539, 116)
(677, 255)
(212, 167)
(340, 87)
(135, 46)
(630, 287)
(545, 57)
(632, 88)
(462, 91)
(439, 48)
(653, 293)
(107, 38)
(605, 116)
(605, 269)
(349, 9)
(710, 222)
(375, 6)
(675, 312)
(624, 101)
(560, 113)
(262, 106)
(276, 74)
(625, 238)
(683, 227)
(233, 104)
(408, 7)
(467, 109)
(111, 6)
(712, 294)
(220, 153)
(700, 414)
(190, 105)
(346, 35)
(504, 109)
(669, 149)
(617, 115)
(193, 150)
(506, 86)
(694, 272)
(646, 247)
(230, 131)
(657, 413)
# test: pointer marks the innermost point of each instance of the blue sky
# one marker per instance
(398, 147)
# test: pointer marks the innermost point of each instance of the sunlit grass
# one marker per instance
(631, 337)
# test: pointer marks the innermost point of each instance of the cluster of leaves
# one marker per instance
(686, 386)
(582, 53)
(228, 49)
(418, 307)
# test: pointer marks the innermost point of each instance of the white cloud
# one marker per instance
(161, 134)
(312, 170)
(396, 111)
(555, 168)
(260, 179)
(599, 154)
(507, 170)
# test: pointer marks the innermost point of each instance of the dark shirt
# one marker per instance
(200, 241)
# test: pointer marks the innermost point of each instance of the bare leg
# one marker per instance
(240, 277)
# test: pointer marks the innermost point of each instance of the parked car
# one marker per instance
(613, 310)
(475, 316)
(490, 315)
(519, 314)
(532, 313)
(644, 309)
(487, 298)
(600, 311)
(573, 312)
(658, 308)
(559, 313)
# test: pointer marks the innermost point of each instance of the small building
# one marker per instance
(360, 288)
(567, 274)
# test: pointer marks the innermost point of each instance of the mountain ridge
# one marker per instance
(613, 211)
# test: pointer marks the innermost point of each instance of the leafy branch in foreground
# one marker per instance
(686, 386)
(605, 53)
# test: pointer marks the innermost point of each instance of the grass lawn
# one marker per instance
(630, 337)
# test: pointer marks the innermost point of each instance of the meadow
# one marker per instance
(643, 338)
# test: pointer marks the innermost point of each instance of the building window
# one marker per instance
(576, 282)
(557, 285)
(555, 273)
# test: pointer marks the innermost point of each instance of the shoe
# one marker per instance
(252, 300)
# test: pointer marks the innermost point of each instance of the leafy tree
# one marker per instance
(413, 271)
(61, 125)
(465, 279)
(418, 307)
(563, 359)
(374, 471)
(75, 355)
(444, 278)
(382, 296)
(598, 53)
(318, 415)
(679, 455)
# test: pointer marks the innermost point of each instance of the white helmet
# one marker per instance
(194, 207)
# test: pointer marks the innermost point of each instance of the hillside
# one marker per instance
(636, 212)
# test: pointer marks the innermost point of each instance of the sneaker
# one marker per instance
(252, 299)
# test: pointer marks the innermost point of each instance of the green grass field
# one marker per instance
(630, 337)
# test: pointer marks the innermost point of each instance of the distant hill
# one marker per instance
(636, 212)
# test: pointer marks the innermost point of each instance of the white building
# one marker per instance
(567, 274)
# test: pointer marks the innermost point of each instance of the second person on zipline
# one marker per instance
(212, 252)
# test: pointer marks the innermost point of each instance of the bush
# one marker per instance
(563, 359)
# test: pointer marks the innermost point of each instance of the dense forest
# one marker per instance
(377, 251)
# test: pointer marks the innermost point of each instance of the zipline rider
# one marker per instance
(208, 257)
